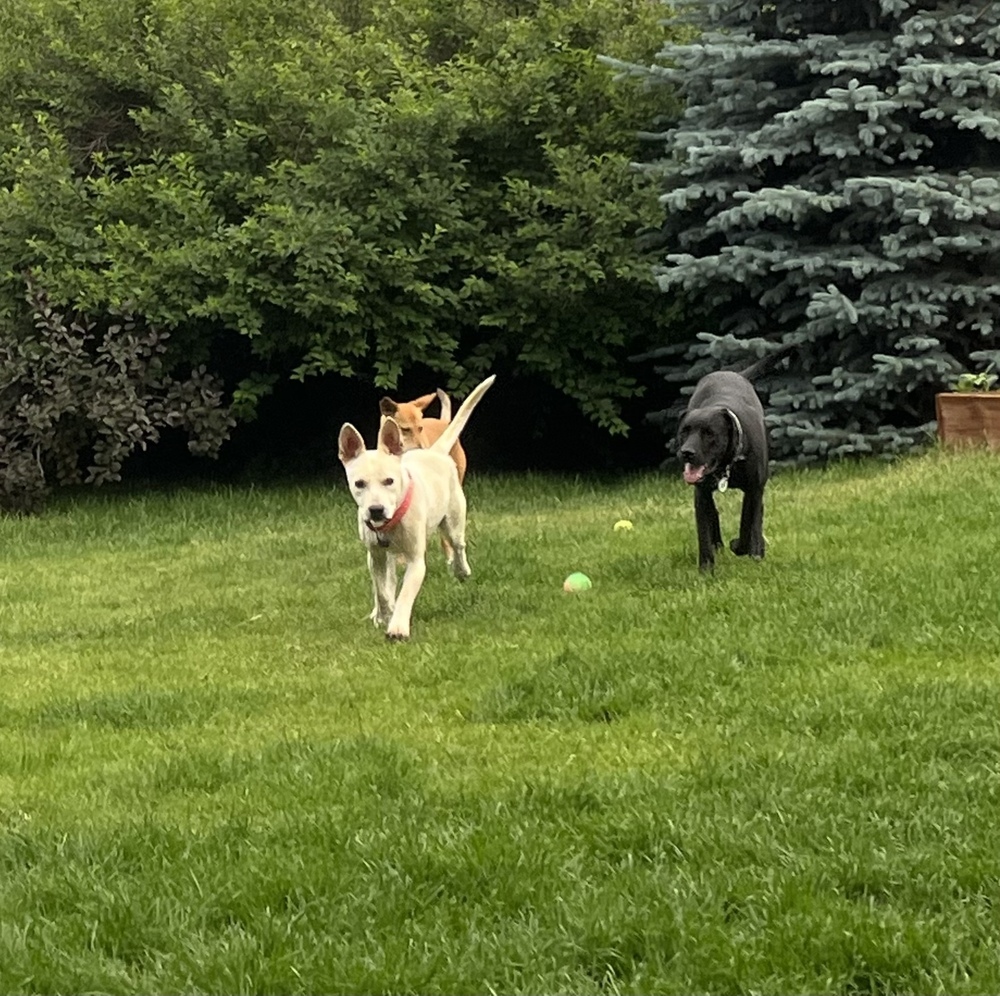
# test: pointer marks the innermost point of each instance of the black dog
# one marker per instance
(722, 440)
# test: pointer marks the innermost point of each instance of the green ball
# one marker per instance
(577, 582)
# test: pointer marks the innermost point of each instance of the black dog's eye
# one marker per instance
(388, 482)
(360, 485)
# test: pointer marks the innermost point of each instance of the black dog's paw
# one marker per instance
(751, 549)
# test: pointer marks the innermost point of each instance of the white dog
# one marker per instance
(401, 498)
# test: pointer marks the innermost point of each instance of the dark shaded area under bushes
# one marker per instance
(522, 424)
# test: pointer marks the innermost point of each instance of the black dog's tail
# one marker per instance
(768, 362)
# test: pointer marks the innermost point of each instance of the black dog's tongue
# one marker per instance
(692, 474)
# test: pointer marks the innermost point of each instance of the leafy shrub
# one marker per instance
(349, 187)
(79, 396)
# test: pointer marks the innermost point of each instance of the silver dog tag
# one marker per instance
(723, 483)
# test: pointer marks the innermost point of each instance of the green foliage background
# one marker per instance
(337, 185)
(834, 184)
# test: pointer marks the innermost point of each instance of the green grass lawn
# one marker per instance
(216, 776)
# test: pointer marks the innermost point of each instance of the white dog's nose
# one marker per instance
(376, 513)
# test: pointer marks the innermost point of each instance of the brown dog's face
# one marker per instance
(409, 416)
(705, 442)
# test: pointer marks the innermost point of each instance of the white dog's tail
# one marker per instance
(449, 437)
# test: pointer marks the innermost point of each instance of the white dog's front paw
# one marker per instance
(397, 636)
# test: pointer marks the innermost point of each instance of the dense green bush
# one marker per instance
(79, 396)
(337, 186)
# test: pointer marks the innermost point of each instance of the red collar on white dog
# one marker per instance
(397, 516)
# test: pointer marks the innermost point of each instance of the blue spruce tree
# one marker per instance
(834, 185)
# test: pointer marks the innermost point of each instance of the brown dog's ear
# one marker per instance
(388, 407)
(349, 444)
(424, 401)
(389, 438)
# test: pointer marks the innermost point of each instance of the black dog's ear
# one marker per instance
(729, 427)
(681, 428)
(722, 419)
(387, 406)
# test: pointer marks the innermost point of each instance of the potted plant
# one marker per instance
(970, 414)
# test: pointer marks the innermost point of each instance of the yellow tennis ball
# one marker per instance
(623, 526)
(577, 582)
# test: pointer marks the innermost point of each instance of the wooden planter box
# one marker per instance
(969, 419)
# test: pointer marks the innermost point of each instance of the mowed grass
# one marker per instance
(216, 776)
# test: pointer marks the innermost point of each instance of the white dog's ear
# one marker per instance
(389, 438)
(350, 444)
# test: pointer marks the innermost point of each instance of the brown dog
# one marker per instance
(418, 432)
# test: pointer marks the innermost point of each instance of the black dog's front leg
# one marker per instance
(706, 518)
(751, 538)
